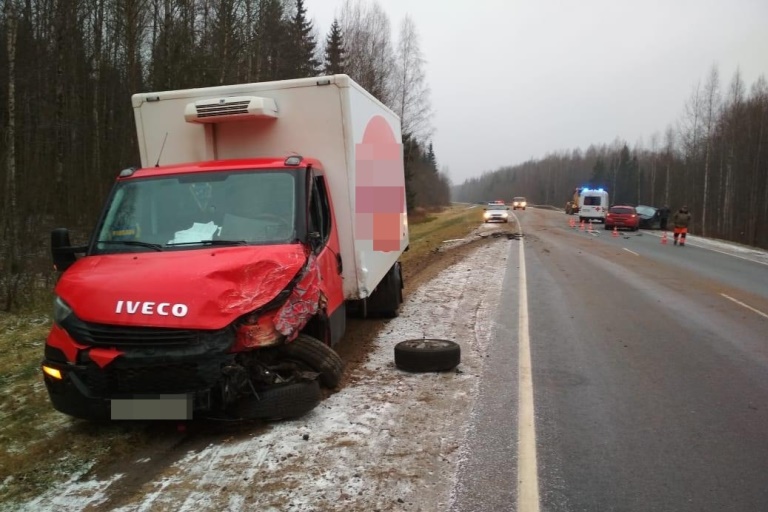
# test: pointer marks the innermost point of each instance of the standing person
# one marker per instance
(681, 219)
(664, 217)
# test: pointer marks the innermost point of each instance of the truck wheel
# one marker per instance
(386, 299)
(394, 280)
(282, 402)
(318, 356)
(427, 355)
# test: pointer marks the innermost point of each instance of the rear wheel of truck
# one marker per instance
(388, 295)
(318, 356)
(427, 355)
(283, 402)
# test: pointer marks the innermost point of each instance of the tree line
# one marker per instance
(714, 160)
(69, 67)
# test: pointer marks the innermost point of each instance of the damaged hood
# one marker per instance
(198, 289)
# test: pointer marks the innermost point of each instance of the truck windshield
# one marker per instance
(201, 209)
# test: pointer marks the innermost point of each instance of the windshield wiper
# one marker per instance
(156, 247)
(211, 242)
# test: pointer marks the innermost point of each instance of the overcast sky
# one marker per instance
(513, 80)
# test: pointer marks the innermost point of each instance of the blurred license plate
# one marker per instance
(153, 407)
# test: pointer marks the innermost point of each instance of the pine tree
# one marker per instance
(271, 35)
(599, 173)
(430, 159)
(334, 51)
(300, 46)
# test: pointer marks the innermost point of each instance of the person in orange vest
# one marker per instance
(681, 220)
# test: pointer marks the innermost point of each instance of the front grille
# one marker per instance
(125, 336)
(159, 378)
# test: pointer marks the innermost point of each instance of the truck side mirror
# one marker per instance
(62, 251)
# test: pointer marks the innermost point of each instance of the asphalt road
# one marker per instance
(650, 377)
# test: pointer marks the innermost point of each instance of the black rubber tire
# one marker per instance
(427, 355)
(385, 300)
(283, 402)
(395, 285)
(318, 356)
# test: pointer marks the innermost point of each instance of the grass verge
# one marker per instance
(428, 231)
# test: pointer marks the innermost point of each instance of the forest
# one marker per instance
(714, 160)
(68, 69)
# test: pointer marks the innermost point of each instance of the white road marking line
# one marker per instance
(688, 242)
(745, 305)
(527, 472)
(633, 252)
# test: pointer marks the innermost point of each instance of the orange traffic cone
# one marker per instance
(581, 226)
(615, 232)
(572, 223)
(664, 238)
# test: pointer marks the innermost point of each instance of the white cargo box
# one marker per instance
(325, 118)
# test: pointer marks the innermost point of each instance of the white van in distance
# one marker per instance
(593, 204)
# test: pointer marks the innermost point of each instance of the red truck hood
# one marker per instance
(199, 289)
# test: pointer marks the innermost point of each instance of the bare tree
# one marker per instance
(759, 168)
(669, 151)
(710, 117)
(733, 123)
(654, 159)
(10, 213)
(411, 92)
(690, 138)
(368, 44)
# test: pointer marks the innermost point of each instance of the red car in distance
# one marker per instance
(622, 217)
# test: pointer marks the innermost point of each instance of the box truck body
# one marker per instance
(221, 270)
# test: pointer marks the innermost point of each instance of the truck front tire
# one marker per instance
(318, 356)
(280, 403)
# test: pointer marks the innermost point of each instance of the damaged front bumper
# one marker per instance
(171, 375)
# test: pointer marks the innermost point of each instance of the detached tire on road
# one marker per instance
(283, 402)
(427, 355)
(318, 356)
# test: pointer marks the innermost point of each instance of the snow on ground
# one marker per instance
(389, 440)
(743, 251)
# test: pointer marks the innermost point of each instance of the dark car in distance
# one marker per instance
(650, 216)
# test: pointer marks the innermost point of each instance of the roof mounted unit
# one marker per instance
(234, 108)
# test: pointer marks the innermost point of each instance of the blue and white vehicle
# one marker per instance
(593, 204)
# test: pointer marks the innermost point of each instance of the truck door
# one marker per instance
(325, 245)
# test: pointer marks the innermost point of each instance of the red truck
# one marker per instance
(220, 274)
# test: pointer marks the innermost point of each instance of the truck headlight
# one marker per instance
(61, 310)
(486, 215)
